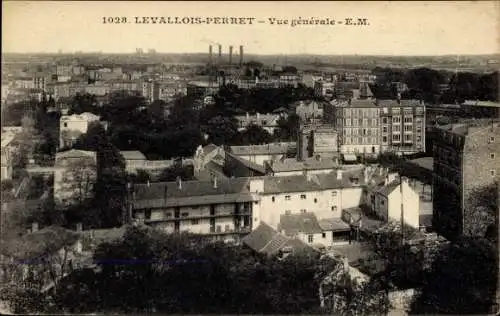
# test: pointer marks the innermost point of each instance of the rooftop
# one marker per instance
(292, 224)
(315, 182)
(424, 162)
(295, 165)
(333, 224)
(267, 149)
(86, 116)
(75, 153)
(468, 127)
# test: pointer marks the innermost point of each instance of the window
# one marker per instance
(334, 208)
(492, 156)
(384, 120)
(419, 138)
(381, 202)
(287, 197)
(185, 214)
(492, 171)
(396, 138)
(492, 139)
(273, 199)
(310, 238)
(334, 193)
(396, 119)
(303, 211)
(302, 196)
(408, 119)
(408, 128)
(315, 200)
(324, 235)
(65, 124)
(288, 212)
(384, 129)
(194, 222)
(384, 139)
(407, 137)
(396, 128)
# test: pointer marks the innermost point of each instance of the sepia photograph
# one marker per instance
(250, 157)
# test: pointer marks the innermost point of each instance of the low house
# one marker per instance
(396, 199)
(266, 240)
(135, 161)
(321, 234)
(235, 166)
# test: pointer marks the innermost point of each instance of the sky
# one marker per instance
(395, 28)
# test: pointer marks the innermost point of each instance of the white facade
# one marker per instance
(72, 126)
(324, 204)
(387, 205)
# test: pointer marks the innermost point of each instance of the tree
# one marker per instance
(461, 280)
(288, 128)
(185, 173)
(221, 130)
(253, 135)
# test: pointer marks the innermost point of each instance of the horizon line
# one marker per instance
(145, 52)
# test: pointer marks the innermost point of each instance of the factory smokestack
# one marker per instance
(230, 55)
(241, 55)
(220, 54)
(210, 53)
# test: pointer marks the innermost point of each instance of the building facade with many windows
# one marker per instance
(466, 164)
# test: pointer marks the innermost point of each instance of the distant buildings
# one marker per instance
(7, 151)
(72, 126)
(308, 110)
(269, 122)
(466, 163)
(74, 176)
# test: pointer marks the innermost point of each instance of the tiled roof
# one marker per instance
(75, 153)
(316, 182)
(249, 164)
(260, 237)
(133, 155)
(291, 224)
(333, 224)
(387, 189)
(311, 164)
(191, 193)
(265, 239)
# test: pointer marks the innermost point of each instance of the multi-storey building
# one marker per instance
(466, 162)
(357, 123)
(324, 88)
(402, 126)
(72, 126)
(219, 209)
(370, 127)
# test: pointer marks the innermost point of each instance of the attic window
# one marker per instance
(302, 196)
(287, 197)
(315, 200)
(273, 199)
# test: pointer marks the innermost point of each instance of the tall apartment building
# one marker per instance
(370, 127)
(466, 162)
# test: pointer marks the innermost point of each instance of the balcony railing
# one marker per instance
(173, 218)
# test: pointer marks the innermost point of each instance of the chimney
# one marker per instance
(365, 171)
(210, 54)
(149, 184)
(214, 181)
(248, 115)
(230, 55)
(340, 173)
(241, 55)
(258, 116)
(79, 227)
(220, 54)
(34, 227)
(179, 183)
